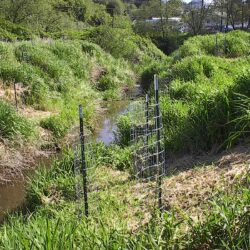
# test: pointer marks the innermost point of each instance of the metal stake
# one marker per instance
(147, 134)
(158, 145)
(83, 162)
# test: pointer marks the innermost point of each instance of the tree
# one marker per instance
(235, 12)
(54, 15)
(22, 11)
(196, 15)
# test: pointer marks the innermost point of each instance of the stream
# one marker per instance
(13, 195)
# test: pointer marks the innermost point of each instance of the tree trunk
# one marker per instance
(162, 25)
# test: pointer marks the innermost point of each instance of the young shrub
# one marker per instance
(120, 157)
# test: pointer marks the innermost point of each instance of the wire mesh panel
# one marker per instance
(86, 187)
(164, 84)
(149, 154)
(86, 172)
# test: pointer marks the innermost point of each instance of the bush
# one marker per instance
(123, 43)
(11, 32)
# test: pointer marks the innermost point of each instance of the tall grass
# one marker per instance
(63, 67)
(58, 75)
(201, 101)
(241, 122)
(232, 44)
(13, 125)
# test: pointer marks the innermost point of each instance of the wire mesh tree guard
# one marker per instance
(149, 153)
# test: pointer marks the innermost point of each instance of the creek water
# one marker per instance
(13, 195)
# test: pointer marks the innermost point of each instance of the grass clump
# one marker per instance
(12, 32)
(241, 123)
(13, 125)
(55, 183)
(227, 226)
(59, 124)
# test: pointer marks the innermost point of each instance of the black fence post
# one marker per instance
(147, 135)
(83, 162)
(158, 143)
(147, 125)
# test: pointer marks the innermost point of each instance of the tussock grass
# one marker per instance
(232, 44)
(203, 86)
(13, 125)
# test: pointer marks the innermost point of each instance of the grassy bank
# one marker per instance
(52, 78)
(55, 76)
(118, 219)
(205, 107)
(204, 93)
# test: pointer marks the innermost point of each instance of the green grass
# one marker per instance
(60, 75)
(241, 123)
(13, 125)
(52, 222)
(12, 32)
(207, 106)
(200, 106)
(232, 44)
